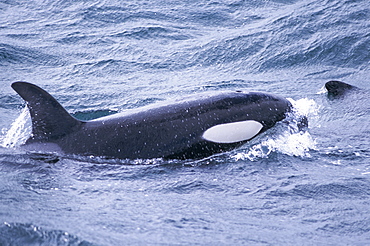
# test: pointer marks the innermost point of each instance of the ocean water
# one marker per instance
(100, 57)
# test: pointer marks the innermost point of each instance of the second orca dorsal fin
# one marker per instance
(49, 119)
(338, 88)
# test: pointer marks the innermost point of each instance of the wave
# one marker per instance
(346, 189)
(11, 54)
(28, 234)
(299, 35)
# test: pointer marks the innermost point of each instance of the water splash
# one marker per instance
(306, 107)
(287, 139)
(19, 131)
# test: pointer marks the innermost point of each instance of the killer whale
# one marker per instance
(193, 128)
(337, 88)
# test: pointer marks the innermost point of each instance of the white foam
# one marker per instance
(306, 107)
(322, 90)
(19, 131)
(287, 139)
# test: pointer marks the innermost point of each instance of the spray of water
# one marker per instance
(19, 131)
(288, 139)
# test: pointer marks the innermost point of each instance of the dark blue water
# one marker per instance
(101, 57)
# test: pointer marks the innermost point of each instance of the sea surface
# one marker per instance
(101, 57)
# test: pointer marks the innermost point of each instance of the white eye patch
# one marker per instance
(233, 132)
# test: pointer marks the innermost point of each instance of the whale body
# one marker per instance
(193, 128)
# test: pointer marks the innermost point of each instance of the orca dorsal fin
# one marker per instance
(49, 119)
(338, 88)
